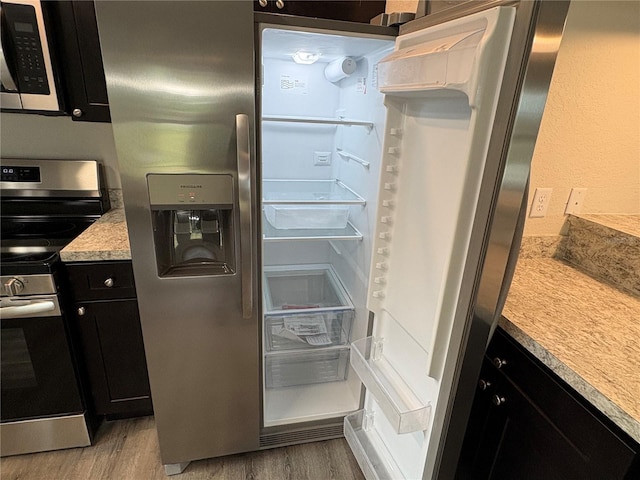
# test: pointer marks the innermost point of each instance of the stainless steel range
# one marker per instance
(45, 205)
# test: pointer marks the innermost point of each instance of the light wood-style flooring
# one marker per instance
(128, 450)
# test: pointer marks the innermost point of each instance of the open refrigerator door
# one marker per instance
(442, 86)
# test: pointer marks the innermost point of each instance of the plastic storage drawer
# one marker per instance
(285, 217)
(304, 368)
(305, 307)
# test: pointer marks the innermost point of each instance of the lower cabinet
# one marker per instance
(526, 423)
(107, 324)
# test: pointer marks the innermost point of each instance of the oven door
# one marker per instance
(37, 374)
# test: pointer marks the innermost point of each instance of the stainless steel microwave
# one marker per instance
(26, 67)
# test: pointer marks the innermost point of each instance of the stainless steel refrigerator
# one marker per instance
(324, 217)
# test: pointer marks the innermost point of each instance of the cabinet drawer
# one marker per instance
(101, 280)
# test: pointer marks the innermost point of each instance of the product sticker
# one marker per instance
(293, 85)
(361, 85)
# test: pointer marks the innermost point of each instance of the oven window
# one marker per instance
(37, 376)
(17, 369)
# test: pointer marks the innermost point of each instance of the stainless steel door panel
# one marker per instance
(177, 74)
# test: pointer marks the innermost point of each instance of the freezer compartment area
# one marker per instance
(305, 368)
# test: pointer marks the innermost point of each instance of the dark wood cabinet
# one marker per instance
(526, 423)
(106, 321)
(78, 48)
(361, 11)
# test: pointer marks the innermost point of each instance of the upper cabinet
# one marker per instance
(352, 10)
(80, 60)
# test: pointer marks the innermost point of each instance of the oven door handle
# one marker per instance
(31, 309)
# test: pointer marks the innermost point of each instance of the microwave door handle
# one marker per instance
(5, 74)
(243, 153)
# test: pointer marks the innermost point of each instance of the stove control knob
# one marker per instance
(13, 286)
(108, 282)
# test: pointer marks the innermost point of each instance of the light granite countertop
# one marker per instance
(106, 239)
(586, 331)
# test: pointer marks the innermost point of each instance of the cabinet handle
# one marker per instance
(280, 4)
(77, 112)
(498, 400)
(108, 282)
(483, 384)
(263, 3)
(81, 311)
(499, 362)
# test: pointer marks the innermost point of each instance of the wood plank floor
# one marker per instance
(128, 450)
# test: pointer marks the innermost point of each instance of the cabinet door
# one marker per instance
(81, 60)
(352, 10)
(527, 425)
(114, 356)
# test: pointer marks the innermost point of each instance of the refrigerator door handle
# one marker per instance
(243, 153)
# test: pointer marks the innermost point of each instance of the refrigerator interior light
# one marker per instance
(305, 58)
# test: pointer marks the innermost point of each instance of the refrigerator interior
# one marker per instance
(410, 180)
(321, 141)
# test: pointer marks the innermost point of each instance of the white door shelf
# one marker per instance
(271, 234)
(317, 120)
(369, 449)
(305, 192)
(402, 407)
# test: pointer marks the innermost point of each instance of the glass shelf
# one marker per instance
(309, 192)
(271, 234)
(370, 451)
(404, 410)
(317, 120)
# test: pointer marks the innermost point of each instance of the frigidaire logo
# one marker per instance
(190, 186)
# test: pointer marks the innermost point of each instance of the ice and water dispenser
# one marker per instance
(192, 224)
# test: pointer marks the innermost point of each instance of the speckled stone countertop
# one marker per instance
(106, 239)
(586, 331)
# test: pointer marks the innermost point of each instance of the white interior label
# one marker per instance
(361, 85)
(293, 85)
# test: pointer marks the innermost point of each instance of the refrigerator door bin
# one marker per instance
(308, 192)
(305, 368)
(303, 289)
(370, 451)
(404, 410)
(287, 217)
(314, 329)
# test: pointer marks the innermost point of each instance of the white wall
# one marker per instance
(38, 136)
(590, 132)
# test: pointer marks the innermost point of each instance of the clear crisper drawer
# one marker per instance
(305, 368)
(307, 330)
(308, 192)
(303, 289)
(295, 217)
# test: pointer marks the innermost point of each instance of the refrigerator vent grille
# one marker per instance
(301, 436)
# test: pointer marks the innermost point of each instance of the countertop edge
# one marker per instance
(608, 408)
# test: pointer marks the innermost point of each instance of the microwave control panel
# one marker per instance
(22, 25)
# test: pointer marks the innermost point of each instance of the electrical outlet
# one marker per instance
(541, 199)
(576, 200)
(322, 158)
